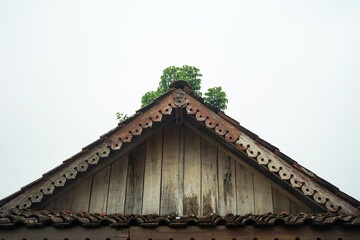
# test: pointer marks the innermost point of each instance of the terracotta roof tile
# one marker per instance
(32, 218)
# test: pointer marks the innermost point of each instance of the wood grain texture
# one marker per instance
(244, 190)
(51, 205)
(281, 203)
(298, 208)
(117, 187)
(209, 184)
(71, 233)
(192, 173)
(227, 183)
(135, 180)
(99, 192)
(81, 199)
(247, 232)
(64, 202)
(170, 201)
(262, 195)
(152, 181)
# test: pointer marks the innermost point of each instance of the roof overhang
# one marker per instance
(177, 102)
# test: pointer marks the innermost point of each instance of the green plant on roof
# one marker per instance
(214, 96)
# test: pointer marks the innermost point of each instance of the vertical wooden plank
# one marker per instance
(81, 198)
(280, 201)
(209, 177)
(192, 173)
(135, 180)
(227, 193)
(51, 205)
(262, 195)
(99, 192)
(65, 201)
(298, 208)
(181, 170)
(117, 188)
(152, 181)
(170, 199)
(244, 190)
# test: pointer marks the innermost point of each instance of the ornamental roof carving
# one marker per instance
(227, 131)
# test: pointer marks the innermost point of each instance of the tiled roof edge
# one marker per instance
(40, 218)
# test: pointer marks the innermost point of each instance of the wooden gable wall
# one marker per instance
(177, 170)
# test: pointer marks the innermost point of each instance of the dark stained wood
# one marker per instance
(244, 190)
(152, 181)
(246, 232)
(76, 232)
(99, 192)
(181, 170)
(251, 232)
(192, 173)
(135, 180)
(280, 201)
(64, 202)
(262, 195)
(227, 183)
(170, 201)
(209, 184)
(82, 196)
(117, 187)
(296, 207)
(51, 205)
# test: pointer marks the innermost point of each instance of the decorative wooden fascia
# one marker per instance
(263, 156)
(177, 98)
(111, 142)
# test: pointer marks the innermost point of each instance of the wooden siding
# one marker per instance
(176, 170)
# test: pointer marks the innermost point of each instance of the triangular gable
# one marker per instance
(258, 153)
(177, 170)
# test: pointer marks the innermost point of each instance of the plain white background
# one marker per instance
(290, 70)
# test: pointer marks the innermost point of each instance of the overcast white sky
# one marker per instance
(290, 70)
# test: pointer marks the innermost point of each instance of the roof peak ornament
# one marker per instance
(180, 84)
(179, 98)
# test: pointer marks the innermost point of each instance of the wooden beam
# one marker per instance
(303, 232)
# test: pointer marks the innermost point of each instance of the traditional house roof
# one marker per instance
(43, 218)
(183, 105)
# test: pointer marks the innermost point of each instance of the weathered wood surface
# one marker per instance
(244, 190)
(192, 173)
(99, 192)
(280, 201)
(65, 201)
(262, 195)
(209, 178)
(246, 232)
(152, 181)
(177, 170)
(81, 199)
(76, 232)
(135, 181)
(190, 232)
(170, 201)
(227, 183)
(117, 187)
(296, 207)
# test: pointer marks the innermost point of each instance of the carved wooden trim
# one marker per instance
(94, 156)
(268, 159)
(223, 128)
